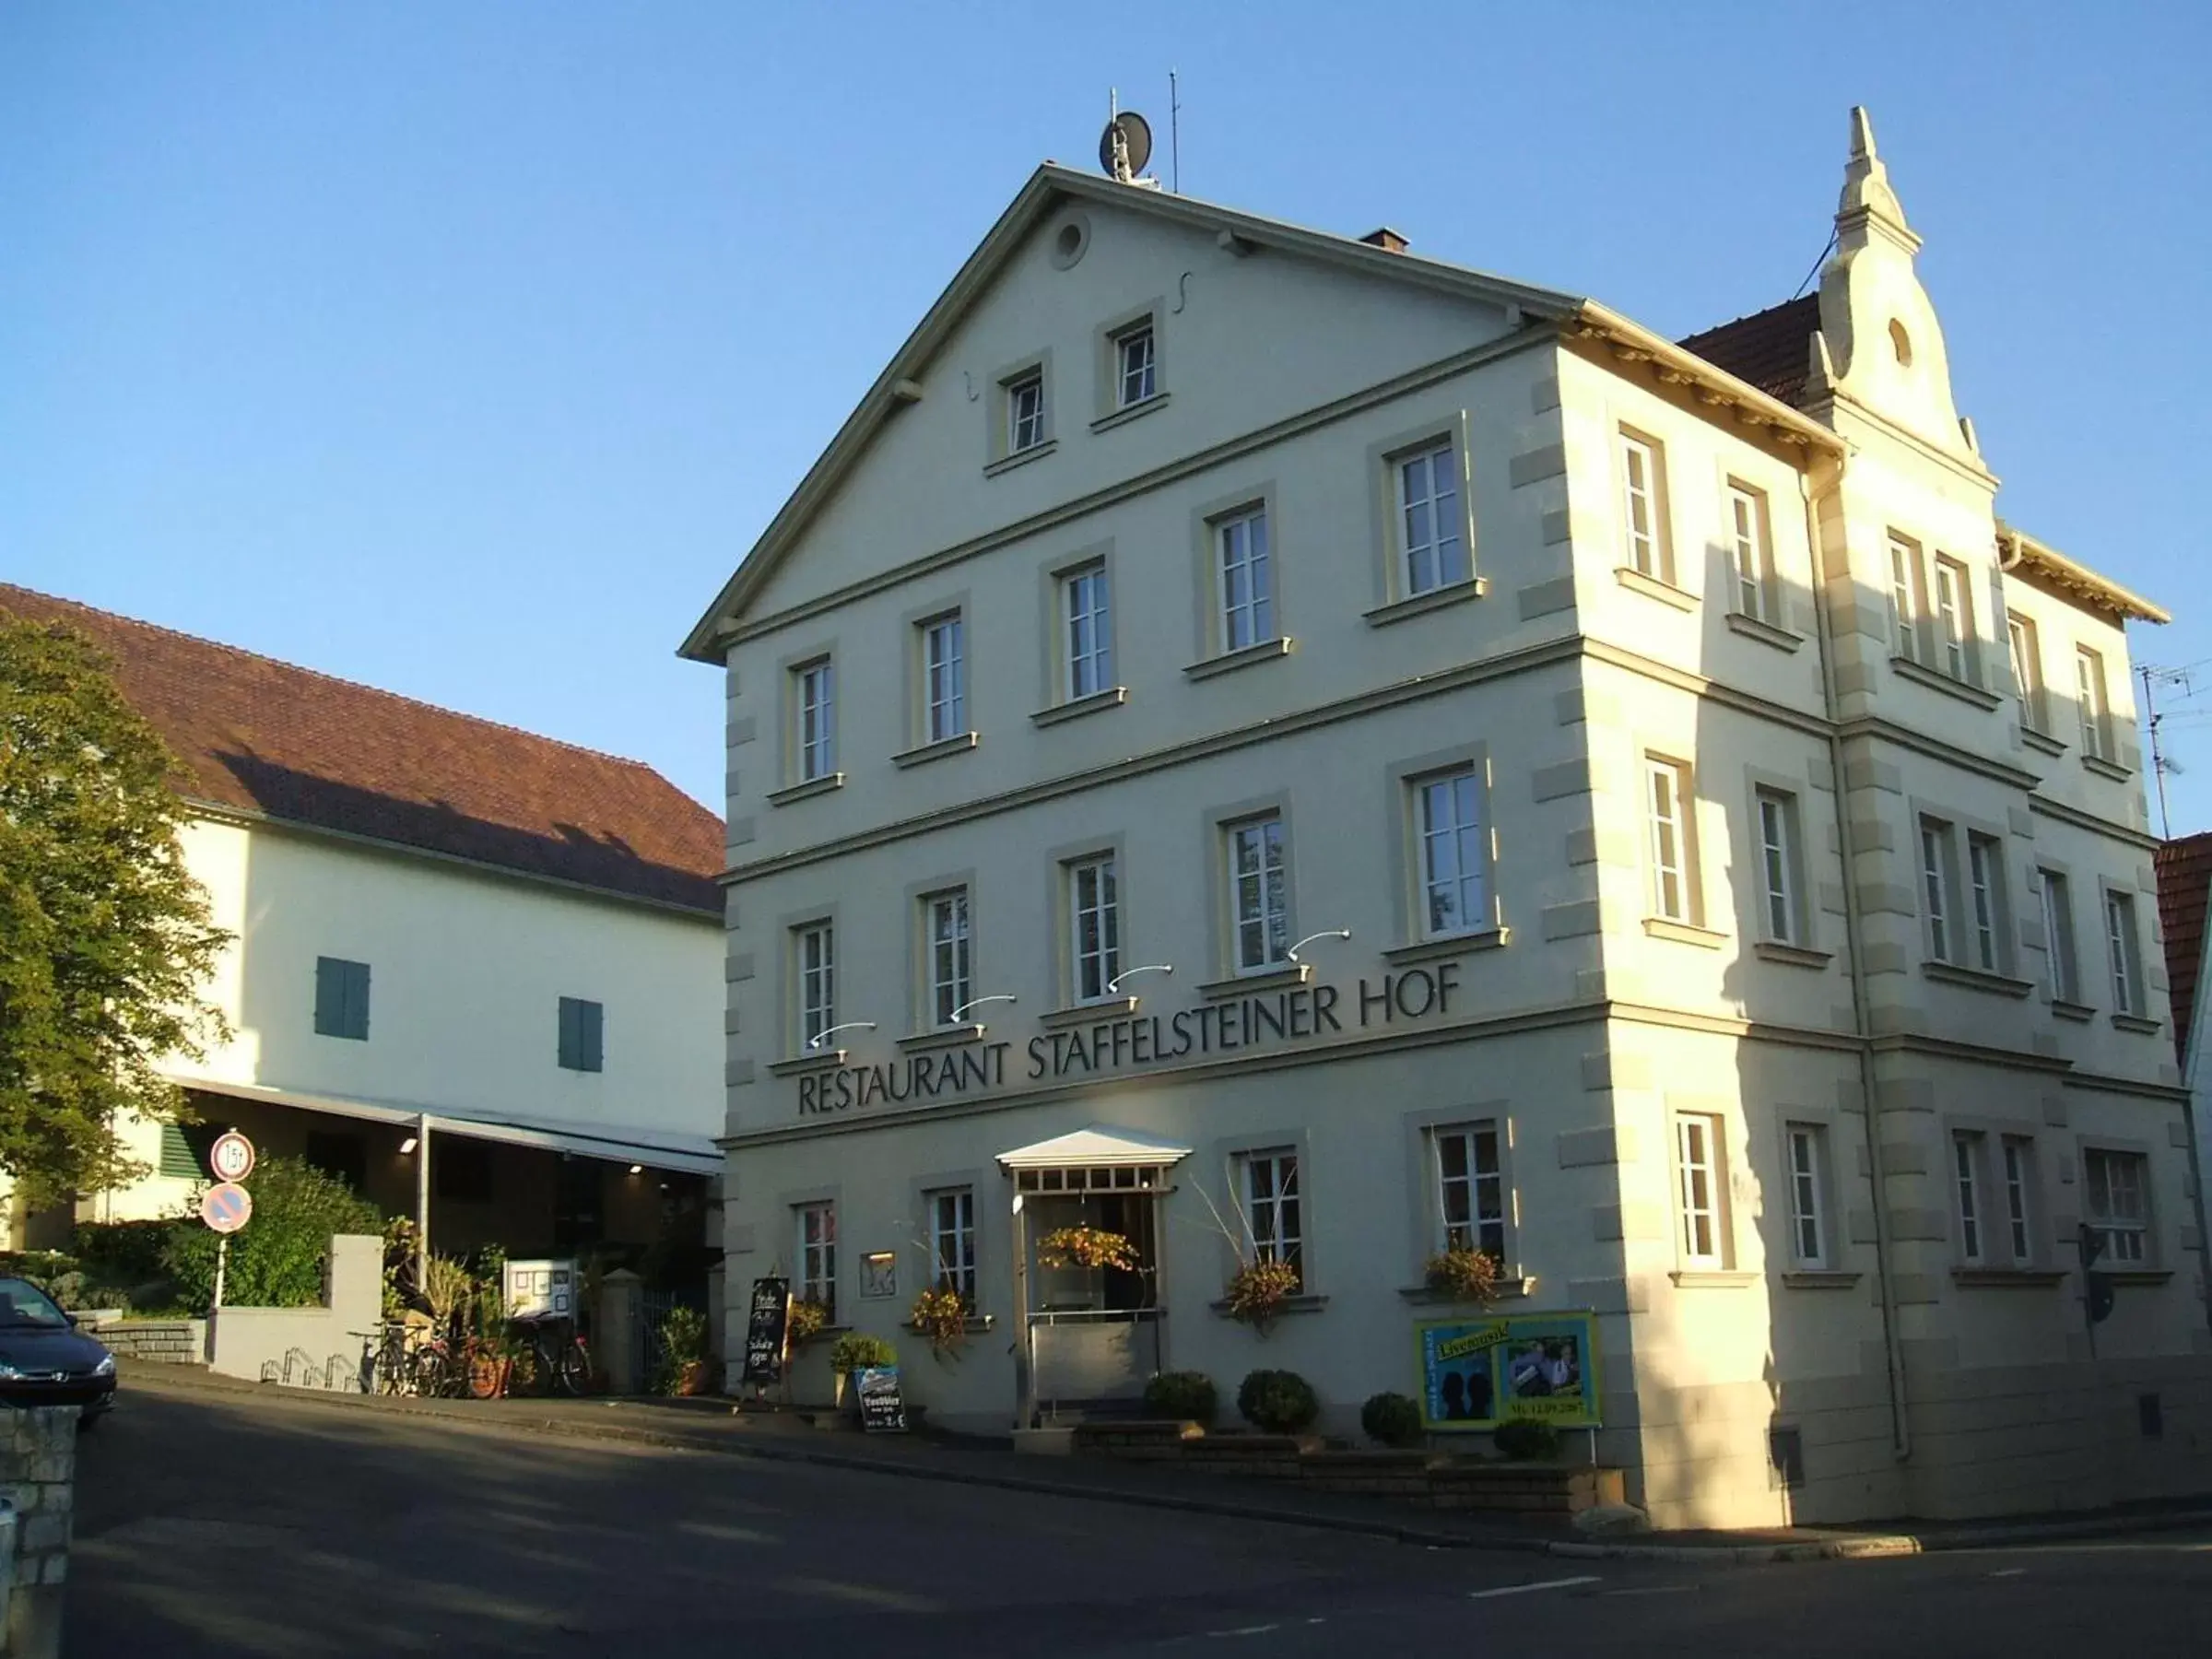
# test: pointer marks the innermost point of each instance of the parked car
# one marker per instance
(45, 1359)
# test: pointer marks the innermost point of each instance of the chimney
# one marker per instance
(1389, 241)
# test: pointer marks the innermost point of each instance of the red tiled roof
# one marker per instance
(266, 737)
(1770, 349)
(2185, 882)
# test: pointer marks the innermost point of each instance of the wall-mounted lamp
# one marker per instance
(817, 1040)
(1113, 985)
(977, 1003)
(1326, 933)
(637, 1168)
(407, 1146)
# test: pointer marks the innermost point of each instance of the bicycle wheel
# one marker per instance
(431, 1375)
(571, 1366)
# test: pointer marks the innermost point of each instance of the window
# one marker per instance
(2119, 1203)
(2018, 1153)
(1025, 412)
(1095, 927)
(1247, 588)
(2061, 980)
(817, 721)
(814, 951)
(952, 1241)
(341, 999)
(1089, 640)
(1430, 529)
(2026, 671)
(1809, 1210)
(1135, 366)
(1904, 598)
(1748, 547)
(181, 1160)
(944, 679)
(1698, 1171)
(2127, 963)
(1641, 506)
(2089, 674)
(1966, 1178)
(951, 988)
(1272, 1207)
(1985, 885)
(582, 1027)
(1454, 869)
(818, 1255)
(461, 1168)
(1954, 618)
(1663, 793)
(1935, 882)
(1778, 863)
(1259, 893)
(1470, 1189)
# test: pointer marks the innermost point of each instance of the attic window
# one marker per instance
(1070, 241)
(1901, 343)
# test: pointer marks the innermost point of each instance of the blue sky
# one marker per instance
(462, 350)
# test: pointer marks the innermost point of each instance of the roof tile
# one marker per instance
(1769, 349)
(2185, 870)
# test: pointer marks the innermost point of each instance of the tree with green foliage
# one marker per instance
(276, 1258)
(105, 941)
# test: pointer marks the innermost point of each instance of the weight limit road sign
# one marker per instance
(231, 1157)
(226, 1207)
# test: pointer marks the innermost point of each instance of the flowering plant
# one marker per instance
(1462, 1274)
(1258, 1290)
(941, 1314)
(807, 1318)
(1086, 1246)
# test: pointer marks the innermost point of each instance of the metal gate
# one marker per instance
(653, 1308)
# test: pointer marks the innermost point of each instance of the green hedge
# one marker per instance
(276, 1258)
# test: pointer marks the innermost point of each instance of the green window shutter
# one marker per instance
(571, 1047)
(357, 1002)
(330, 998)
(590, 1022)
(177, 1161)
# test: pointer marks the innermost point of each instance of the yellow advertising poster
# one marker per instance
(1475, 1373)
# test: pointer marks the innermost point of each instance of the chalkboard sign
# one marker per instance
(767, 1330)
(882, 1407)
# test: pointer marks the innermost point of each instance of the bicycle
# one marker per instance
(561, 1360)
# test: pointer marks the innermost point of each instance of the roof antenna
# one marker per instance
(1125, 146)
(1174, 137)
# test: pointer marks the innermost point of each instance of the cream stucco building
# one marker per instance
(1277, 745)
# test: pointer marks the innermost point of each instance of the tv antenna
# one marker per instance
(1125, 146)
(2162, 763)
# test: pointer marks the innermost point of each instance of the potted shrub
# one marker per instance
(1463, 1274)
(1279, 1402)
(1392, 1419)
(1258, 1291)
(856, 1350)
(1086, 1246)
(683, 1353)
(1180, 1396)
(1525, 1440)
(940, 1314)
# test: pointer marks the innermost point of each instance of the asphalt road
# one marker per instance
(208, 1525)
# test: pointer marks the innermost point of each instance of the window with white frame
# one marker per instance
(1259, 892)
(1966, 1185)
(2062, 973)
(1025, 411)
(1778, 864)
(1470, 1188)
(2126, 952)
(1135, 365)
(1454, 869)
(1641, 504)
(2026, 671)
(951, 986)
(1807, 1146)
(814, 963)
(1904, 598)
(2088, 680)
(1747, 548)
(815, 698)
(1985, 893)
(1431, 526)
(1666, 806)
(817, 1225)
(944, 678)
(1273, 1217)
(1094, 927)
(952, 1241)
(1087, 640)
(2020, 1196)
(2117, 1188)
(1699, 1191)
(1246, 586)
(1954, 620)
(1937, 853)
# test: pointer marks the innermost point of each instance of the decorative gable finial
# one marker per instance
(1868, 203)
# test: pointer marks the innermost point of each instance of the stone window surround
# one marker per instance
(788, 1205)
(914, 625)
(2138, 961)
(1690, 803)
(1216, 822)
(1108, 410)
(1210, 641)
(1728, 1153)
(788, 668)
(1053, 574)
(1425, 1218)
(1404, 774)
(993, 1230)
(1834, 1236)
(1772, 592)
(1669, 571)
(1455, 423)
(1225, 1156)
(2154, 1253)
(1996, 1216)
(2063, 869)
(921, 1012)
(1958, 889)
(788, 927)
(999, 451)
(1759, 781)
(1059, 866)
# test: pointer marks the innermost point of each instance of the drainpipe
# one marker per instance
(1901, 1431)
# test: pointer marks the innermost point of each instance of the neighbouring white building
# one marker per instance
(1285, 748)
(473, 970)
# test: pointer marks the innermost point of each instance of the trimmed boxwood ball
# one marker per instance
(1525, 1440)
(1281, 1402)
(1177, 1395)
(1392, 1419)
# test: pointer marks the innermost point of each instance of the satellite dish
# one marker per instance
(1125, 146)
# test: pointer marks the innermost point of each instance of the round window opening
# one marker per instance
(1069, 242)
(1901, 343)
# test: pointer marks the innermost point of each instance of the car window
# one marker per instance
(23, 1304)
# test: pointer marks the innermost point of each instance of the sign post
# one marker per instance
(225, 1206)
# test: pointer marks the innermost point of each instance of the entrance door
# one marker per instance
(1094, 1331)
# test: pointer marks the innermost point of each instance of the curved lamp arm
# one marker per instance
(1326, 933)
(1114, 984)
(850, 1025)
(977, 1003)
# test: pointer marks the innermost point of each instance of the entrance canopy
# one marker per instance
(1096, 1160)
(656, 1149)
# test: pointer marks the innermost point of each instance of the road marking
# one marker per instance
(1246, 1630)
(1654, 1589)
(1565, 1584)
(2011, 1572)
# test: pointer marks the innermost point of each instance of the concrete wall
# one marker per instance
(297, 1344)
(38, 1474)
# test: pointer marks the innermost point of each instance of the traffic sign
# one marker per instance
(227, 1207)
(231, 1157)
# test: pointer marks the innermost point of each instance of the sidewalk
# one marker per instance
(711, 1425)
